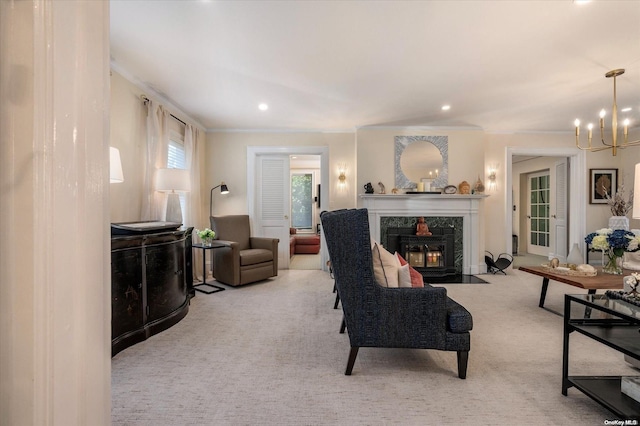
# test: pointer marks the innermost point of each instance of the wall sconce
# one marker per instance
(492, 180)
(172, 180)
(342, 176)
(115, 166)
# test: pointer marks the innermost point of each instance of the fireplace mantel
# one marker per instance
(466, 206)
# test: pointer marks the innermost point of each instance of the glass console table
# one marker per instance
(612, 322)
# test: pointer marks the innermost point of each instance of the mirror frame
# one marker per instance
(440, 142)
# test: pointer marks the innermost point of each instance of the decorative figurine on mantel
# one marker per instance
(382, 188)
(464, 188)
(368, 188)
(479, 186)
(422, 229)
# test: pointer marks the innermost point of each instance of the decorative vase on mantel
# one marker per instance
(611, 262)
(619, 222)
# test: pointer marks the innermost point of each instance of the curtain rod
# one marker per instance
(145, 100)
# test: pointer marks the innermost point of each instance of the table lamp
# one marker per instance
(173, 181)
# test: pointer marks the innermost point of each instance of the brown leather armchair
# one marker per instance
(244, 259)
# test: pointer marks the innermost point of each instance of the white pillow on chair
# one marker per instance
(385, 266)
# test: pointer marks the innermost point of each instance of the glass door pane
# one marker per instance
(302, 200)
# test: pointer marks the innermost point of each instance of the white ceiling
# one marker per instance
(503, 66)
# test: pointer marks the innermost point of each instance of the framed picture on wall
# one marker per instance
(602, 183)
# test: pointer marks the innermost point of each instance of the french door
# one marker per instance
(538, 232)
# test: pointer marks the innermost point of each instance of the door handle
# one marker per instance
(286, 217)
(528, 217)
(553, 216)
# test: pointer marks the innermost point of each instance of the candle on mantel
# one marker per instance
(436, 172)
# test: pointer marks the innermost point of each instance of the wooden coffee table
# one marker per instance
(591, 284)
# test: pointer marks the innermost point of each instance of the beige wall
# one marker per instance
(129, 135)
(226, 160)
(597, 215)
(376, 158)
(368, 155)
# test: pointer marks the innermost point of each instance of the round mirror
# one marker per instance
(421, 157)
(421, 160)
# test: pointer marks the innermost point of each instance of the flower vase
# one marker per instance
(207, 242)
(619, 222)
(611, 263)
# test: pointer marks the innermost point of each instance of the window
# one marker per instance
(302, 201)
(176, 159)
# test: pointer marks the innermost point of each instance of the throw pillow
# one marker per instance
(385, 266)
(415, 276)
(404, 276)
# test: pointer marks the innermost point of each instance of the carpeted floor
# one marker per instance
(270, 354)
(305, 261)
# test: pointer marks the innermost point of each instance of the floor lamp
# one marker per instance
(223, 190)
(172, 180)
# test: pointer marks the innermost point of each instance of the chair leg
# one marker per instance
(463, 358)
(343, 326)
(352, 359)
(335, 305)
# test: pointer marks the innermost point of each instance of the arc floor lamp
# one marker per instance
(223, 190)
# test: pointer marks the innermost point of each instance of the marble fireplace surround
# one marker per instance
(434, 205)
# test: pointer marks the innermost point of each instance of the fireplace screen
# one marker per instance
(432, 255)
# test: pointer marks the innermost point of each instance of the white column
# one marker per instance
(55, 307)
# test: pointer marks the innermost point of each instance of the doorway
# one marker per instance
(254, 153)
(567, 232)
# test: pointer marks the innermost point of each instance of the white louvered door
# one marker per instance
(273, 202)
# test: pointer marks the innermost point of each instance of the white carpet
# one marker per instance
(305, 261)
(270, 354)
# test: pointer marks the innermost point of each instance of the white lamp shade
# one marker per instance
(636, 194)
(173, 180)
(115, 166)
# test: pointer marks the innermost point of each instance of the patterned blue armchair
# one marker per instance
(382, 317)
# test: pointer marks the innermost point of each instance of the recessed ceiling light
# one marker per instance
(627, 109)
(446, 107)
(263, 107)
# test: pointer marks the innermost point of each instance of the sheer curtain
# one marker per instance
(156, 153)
(193, 216)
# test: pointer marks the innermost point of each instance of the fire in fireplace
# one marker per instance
(432, 256)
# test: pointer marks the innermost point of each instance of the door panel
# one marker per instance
(273, 203)
(538, 216)
(559, 218)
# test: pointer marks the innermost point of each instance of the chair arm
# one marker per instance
(406, 317)
(231, 244)
(264, 243)
(267, 244)
(429, 303)
(226, 262)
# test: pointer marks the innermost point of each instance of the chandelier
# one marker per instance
(613, 146)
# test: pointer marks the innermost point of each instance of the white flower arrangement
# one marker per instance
(206, 234)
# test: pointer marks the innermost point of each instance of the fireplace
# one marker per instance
(433, 255)
(464, 213)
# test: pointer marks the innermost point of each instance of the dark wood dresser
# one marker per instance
(151, 280)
